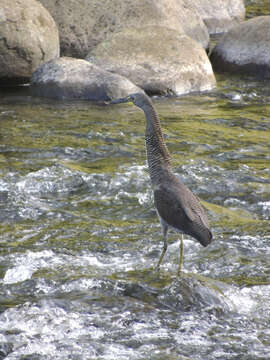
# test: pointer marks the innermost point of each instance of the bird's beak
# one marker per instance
(121, 100)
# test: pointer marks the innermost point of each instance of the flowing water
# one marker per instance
(79, 237)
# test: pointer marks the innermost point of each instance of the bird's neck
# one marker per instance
(158, 156)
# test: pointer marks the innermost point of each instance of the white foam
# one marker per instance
(18, 274)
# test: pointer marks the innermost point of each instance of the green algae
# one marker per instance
(257, 8)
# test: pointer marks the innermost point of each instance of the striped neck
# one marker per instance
(158, 156)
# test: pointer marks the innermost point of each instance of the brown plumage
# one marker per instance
(177, 207)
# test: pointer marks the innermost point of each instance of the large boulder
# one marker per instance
(28, 37)
(85, 24)
(245, 48)
(220, 15)
(68, 78)
(157, 59)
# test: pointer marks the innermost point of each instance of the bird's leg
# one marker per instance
(181, 260)
(165, 230)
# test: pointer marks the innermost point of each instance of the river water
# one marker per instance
(79, 237)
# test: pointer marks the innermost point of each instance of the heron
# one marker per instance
(177, 207)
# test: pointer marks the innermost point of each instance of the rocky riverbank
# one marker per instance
(109, 48)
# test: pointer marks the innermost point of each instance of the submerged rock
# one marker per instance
(189, 292)
(220, 15)
(68, 78)
(245, 49)
(159, 60)
(29, 37)
(86, 24)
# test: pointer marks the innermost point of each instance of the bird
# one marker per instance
(177, 207)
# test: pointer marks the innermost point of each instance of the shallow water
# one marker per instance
(79, 237)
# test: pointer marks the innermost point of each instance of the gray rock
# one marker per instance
(28, 37)
(245, 48)
(68, 78)
(220, 15)
(85, 24)
(157, 59)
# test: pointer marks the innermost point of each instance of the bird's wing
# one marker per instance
(182, 210)
(169, 208)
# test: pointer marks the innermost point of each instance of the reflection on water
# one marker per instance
(80, 237)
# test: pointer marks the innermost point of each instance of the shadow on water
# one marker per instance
(80, 237)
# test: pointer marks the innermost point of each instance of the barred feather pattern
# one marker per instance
(158, 156)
